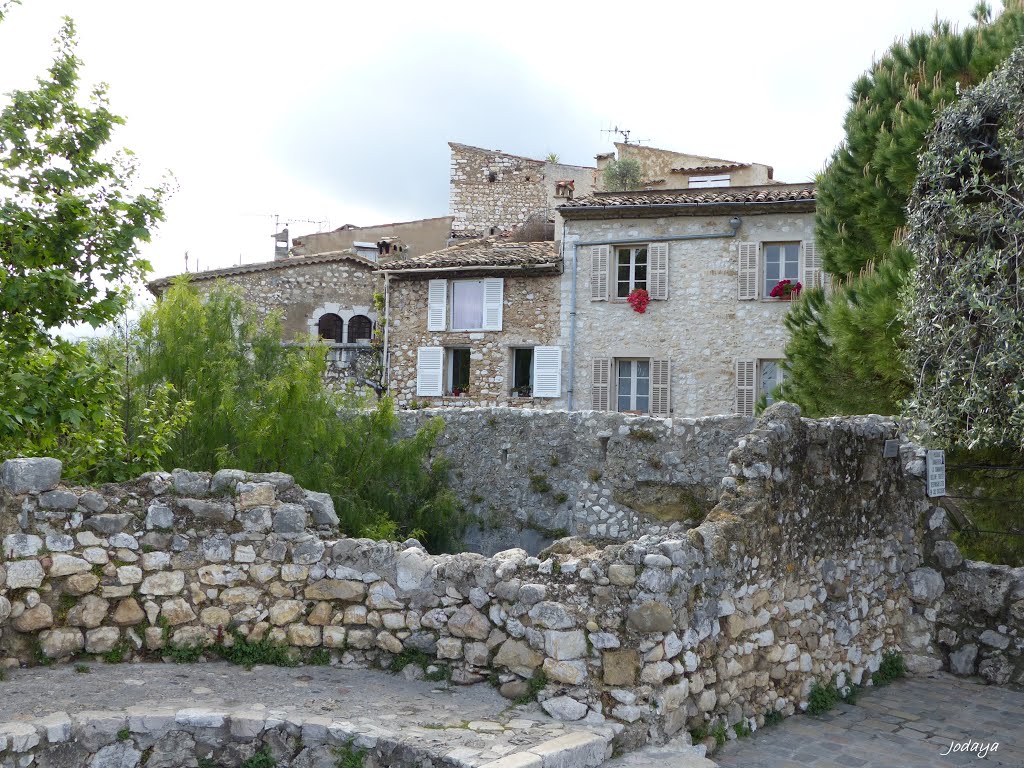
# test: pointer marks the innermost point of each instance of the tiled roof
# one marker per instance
(479, 254)
(264, 266)
(801, 196)
(712, 168)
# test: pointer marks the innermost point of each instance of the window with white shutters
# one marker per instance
(601, 389)
(813, 273)
(746, 280)
(494, 288)
(547, 371)
(746, 387)
(658, 284)
(437, 305)
(430, 371)
(661, 385)
(599, 267)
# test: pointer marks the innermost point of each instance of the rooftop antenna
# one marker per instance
(624, 133)
(186, 261)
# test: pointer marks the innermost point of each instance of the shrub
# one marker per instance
(822, 698)
(892, 668)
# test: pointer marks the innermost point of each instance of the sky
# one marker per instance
(317, 114)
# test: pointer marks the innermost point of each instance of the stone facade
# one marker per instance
(530, 318)
(665, 169)
(702, 328)
(492, 190)
(778, 588)
(417, 237)
(532, 476)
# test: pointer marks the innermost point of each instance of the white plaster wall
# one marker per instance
(702, 327)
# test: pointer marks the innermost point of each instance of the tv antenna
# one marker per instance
(624, 133)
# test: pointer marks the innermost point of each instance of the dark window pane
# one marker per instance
(642, 404)
(359, 329)
(329, 327)
(641, 256)
(623, 290)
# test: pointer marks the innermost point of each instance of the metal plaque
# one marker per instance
(935, 464)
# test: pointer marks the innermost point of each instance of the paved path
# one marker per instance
(468, 725)
(909, 724)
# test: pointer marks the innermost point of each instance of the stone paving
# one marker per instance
(909, 724)
(467, 725)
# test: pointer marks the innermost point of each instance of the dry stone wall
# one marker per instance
(531, 476)
(805, 571)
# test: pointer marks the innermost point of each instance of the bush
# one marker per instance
(260, 405)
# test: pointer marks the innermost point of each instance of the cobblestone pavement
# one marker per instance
(909, 724)
(471, 725)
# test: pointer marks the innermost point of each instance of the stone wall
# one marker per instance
(532, 476)
(701, 328)
(493, 189)
(418, 237)
(803, 572)
(530, 317)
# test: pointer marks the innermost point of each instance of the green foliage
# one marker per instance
(318, 657)
(623, 175)
(561, 497)
(697, 735)
(965, 309)
(719, 732)
(186, 654)
(410, 656)
(773, 717)
(124, 734)
(891, 668)
(248, 654)
(845, 353)
(349, 757)
(642, 435)
(982, 498)
(539, 483)
(82, 669)
(742, 729)
(262, 759)
(822, 698)
(70, 221)
(552, 157)
(117, 654)
(262, 406)
(536, 684)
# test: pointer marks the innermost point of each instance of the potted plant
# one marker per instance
(638, 300)
(786, 290)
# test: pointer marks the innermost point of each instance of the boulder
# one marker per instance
(30, 475)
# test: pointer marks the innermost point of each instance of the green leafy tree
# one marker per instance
(623, 175)
(262, 406)
(845, 350)
(70, 229)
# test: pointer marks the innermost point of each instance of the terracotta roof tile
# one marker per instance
(480, 254)
(712, 168)
(802, 194)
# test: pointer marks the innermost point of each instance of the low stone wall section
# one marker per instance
(804, 572)
(531, 476)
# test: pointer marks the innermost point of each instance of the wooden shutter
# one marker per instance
(547, 371)
(661, 385)
(601, 388)
(812, 266)
(599, 269)
(747, 274)
(430, 371)
(746, 390)
(437, 305)
(658, 282)
(494, 290)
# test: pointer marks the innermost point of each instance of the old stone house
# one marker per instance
(712, 337)
(667, 169)
(477, 323)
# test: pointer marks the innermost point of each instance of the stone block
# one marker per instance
(30, 475)
(565, 645)
(650, 617)
(621, 668)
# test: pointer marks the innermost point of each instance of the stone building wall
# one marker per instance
(492, 189)
(419, 237)
(530, 317)
(702, 327)
(660, 167)
(531, 476)
(780, 586)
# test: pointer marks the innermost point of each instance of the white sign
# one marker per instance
(936, 468)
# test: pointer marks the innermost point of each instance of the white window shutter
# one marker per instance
(812, 266)
(601, 387)
(747, 273)
(661, 385)
(658, 282)
(494, 296)
(437, 305)
(430, 371)
(547, 371)
(599, 269)
(746, 391)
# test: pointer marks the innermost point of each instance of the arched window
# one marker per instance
(329, 327)
(359, 329)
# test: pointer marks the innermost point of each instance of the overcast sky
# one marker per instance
(341, 112)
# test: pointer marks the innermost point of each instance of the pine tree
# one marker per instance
(844, 354)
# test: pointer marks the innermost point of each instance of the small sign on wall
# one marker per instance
(935, 464)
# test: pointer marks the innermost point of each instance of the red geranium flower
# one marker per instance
(638, 300)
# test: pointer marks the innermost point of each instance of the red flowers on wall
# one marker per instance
(786, 289)
(638, 300)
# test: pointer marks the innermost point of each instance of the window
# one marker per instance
(522, 372)
(781, 262)
(458, 371)
(467, 305)
(359, 329)
(630, 270)
(772, 375)
(329, 327)
(633, 385)
(700, 182)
